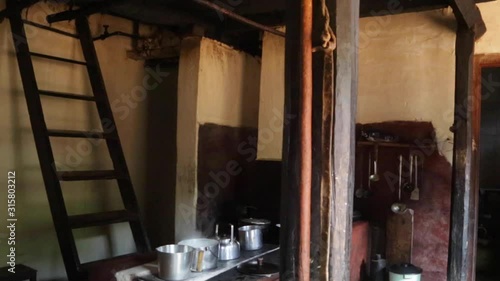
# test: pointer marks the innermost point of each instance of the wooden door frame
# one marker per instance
(480, 61)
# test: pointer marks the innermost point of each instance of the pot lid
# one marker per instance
(256, 221)
(405, 269)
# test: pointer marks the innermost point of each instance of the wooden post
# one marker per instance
(323, 104)
(323, 71)
(297, 140)
(335, 193)
(463, 219)
(346, 88)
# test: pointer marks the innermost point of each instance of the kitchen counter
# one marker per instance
(271, 254)
(359, 257)
(224, 266)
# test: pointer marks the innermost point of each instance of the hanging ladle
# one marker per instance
(360, 192)
(408, 186)
(375, 177)
(399, 207)
(369, 192)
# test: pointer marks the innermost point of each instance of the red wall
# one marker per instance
(360, 250)
(432, 212)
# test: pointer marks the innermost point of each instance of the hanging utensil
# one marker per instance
(360, 192)
(415, 194)
(408, 186)
(368, 192)
(399, 207)
(375, 177)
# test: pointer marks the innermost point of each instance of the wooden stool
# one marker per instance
(22, 273)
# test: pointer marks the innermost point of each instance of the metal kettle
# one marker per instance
(229, 248)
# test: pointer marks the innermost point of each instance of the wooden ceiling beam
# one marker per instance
(368, 8)
(468, 15)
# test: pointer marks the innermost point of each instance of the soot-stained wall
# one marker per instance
(432, 211)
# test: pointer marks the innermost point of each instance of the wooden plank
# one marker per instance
(466, 12)
(346, 88)
(67, 95)
(368, 8)
(399, 244)
(468, 15)
(84, 11)
(322, 185)
(99, 219)
(49, 57)
(322, 162)
(78, 134)
(463, 219)
(89, 175)
(395, 144)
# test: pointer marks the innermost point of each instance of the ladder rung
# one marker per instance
(78, 134)
(89, 175)
(57, 58)
(98, 219)
(67, 95)
(46, 27)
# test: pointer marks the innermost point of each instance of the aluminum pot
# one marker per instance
(174, 261)
(251, 237)
(206, 253)
(404, 272)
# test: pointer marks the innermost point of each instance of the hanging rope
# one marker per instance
(329, 41)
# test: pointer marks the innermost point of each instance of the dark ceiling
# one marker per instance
(271, 12)
(185, 12)
(180, 15)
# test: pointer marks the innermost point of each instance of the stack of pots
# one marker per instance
(175, 261)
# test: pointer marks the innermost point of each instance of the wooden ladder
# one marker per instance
(64, 223)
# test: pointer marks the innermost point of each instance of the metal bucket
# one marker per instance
(205, 255)
(174, 261)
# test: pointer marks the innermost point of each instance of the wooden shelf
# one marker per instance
(394, 144)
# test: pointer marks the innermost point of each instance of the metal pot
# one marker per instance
(251, 237)
(229, 248)
(404, 272)
(206, 253)
(270, 231)
(174, 261)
